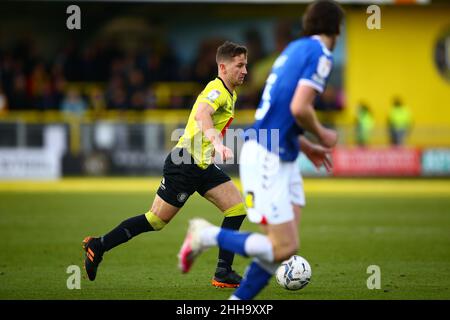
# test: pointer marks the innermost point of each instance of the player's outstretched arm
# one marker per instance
(205, 122)
(303, 111)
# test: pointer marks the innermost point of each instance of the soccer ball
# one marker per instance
(294, 273)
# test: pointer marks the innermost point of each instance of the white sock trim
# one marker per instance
(208, 236)
(259, 246)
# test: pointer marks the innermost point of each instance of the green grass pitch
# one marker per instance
(407, 236)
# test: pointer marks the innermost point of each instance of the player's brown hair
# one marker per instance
(228, 50)
(323, 17)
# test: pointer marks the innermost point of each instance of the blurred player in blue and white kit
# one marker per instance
(271, 180)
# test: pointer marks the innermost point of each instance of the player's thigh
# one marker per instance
(162, 209)
(224, 196)
(216, 186)
(283, 234)
(297, 215)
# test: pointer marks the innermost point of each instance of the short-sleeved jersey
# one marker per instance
(304, 61)
(217, 95)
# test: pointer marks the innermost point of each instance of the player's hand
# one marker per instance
(224, 152)
(319, 156)
(328, 137)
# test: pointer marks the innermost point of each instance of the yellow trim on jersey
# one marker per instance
(218, 97)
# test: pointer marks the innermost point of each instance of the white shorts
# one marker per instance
(270, 185)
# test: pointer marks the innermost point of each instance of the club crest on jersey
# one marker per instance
(213, 95)
(324, 67)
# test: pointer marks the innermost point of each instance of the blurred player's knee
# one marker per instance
(156, 222)
(284, 252)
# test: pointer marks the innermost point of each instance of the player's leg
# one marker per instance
(297, 195)
(267, 250)
(171, 195)
(283, 238)
(228, 199)
(155, 219)
(217, 187)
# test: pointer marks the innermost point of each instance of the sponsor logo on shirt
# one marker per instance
(213, 95)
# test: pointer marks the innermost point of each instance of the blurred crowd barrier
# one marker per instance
(51, 144)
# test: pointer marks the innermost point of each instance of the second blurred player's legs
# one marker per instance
(266, 251)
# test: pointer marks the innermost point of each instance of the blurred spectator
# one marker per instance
(59, 86)
(261, 68)
(135, 82)
(38, 80)
(254, 44)
(160, 64)
(205, 66)
(3, 101)
(71, 61)
(150, 99)
(364, 125)
(97, 99)
(7, 73)
(19, 98)
(118, 100)
(399, 122)
(116, 87)
(73, 103)
(47, 99)
(137, 101)
(88, 64)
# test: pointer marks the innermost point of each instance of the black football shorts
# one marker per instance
(181, 180)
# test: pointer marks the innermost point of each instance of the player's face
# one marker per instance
(237, 69)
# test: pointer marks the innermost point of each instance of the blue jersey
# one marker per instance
(304, 61)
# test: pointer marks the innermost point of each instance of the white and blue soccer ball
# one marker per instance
(294, 273)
